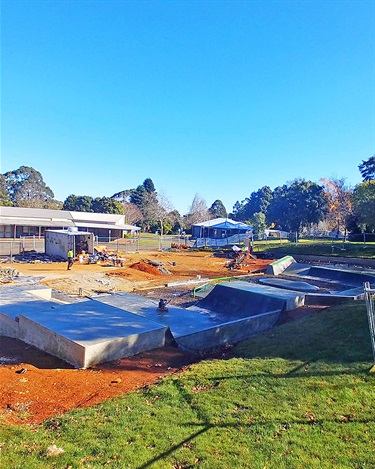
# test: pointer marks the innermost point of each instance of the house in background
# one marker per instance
(19, 222)
(220, 232)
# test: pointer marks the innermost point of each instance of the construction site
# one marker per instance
(118, 322)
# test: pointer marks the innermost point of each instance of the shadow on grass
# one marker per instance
(255, 425)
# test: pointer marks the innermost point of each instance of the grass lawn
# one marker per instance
(318, 248)
(299, 396)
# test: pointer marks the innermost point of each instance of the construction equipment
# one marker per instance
(241, 260)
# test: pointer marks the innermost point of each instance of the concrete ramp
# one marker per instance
(245, 299)
(289, 284)
(232, 311)
(278, 267)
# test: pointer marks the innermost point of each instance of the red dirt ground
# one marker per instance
(49, 387)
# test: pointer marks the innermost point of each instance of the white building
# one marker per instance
(18, 222)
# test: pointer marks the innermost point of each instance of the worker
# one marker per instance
(70, 258)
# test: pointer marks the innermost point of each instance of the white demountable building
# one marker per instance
(59, 242)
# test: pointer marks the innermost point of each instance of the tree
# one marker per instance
(107, 205)
(198, 212)
(144, 195)
(4, 196)
(259, 222)
(133, 214)
(297, 206)
(367, 168)
(122, 196)
(258, 202)
(26, 188)
(79, 203)
(339, 198)
(217, 210)
(149, 185)
(237, 209)
(364, 203)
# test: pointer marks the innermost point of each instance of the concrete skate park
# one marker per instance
(106, 327)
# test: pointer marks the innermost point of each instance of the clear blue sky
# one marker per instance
(216, 98)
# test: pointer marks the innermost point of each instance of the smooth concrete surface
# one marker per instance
(8, 326)
(18, 298)
(231, 312)
(245, 299)
(229, 332)
(89, 332)
(345, 276)
(278, 267)
(342, 276)
(289, 284)
(181, 322)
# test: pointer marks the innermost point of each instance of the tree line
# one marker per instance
(293, 207)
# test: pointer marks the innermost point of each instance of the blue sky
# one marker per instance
(216, 98)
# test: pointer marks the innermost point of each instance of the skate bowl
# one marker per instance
(231, 312)
(112, 326)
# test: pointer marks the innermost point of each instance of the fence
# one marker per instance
(370, 300)
(14, 247)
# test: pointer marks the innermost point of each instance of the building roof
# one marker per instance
(224, 223)
(22, 216)
(107, 226)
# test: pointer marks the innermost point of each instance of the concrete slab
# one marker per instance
(16, 299)
(289, 284)
(89, 332)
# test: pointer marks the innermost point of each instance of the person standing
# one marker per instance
(70, 258)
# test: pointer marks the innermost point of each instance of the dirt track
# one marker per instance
(50, 387)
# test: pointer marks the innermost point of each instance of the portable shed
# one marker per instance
(59, 242)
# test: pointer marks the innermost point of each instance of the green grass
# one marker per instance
(318, 248)
(299, 396)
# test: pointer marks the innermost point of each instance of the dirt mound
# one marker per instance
(144, 267)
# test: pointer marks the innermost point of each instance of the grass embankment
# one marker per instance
(318, 248)
(300, 396)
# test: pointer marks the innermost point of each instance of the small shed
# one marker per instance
(59, 242)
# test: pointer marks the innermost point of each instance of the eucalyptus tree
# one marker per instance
(4, 195)
(26, 188)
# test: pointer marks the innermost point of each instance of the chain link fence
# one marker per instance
(15, 247)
